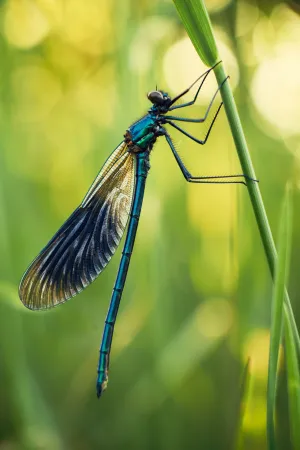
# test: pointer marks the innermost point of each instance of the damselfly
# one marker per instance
(85, 243)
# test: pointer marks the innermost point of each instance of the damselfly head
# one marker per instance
(158, 98)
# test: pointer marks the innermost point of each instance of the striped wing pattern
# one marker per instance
(85, 243)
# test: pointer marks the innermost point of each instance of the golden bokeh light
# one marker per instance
(182, 66)
(216, 5)
(276, 80)
(87, 25)
(25, 23)
(256, 348)
(147, 37)
(212, 209)
(254, 420)
(215, 317)
(275, 83)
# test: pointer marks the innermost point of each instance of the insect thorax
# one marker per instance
(140, 136)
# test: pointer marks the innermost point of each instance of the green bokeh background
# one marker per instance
(196, 306)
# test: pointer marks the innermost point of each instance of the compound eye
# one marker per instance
(156, 97)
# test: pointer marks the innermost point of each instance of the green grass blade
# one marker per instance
(245, 398)
(197, 24)
(281, 274)
(293, 377)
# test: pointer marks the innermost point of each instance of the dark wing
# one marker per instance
(85, 243)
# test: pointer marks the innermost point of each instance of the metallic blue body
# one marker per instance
(142, 167)
(140, 137)
(143, 126)
(142, 134)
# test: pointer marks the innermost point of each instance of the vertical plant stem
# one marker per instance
(197, 24)
(281, 278)
(253, 188)
(293, 378)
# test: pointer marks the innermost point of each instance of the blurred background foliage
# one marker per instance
(73, 75)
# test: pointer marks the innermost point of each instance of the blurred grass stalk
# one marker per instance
(196, 21)
(281, 278)
(293, 381)
(246, 394)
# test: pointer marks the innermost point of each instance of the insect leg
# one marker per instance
(199, 141)
(217, 179)
(201, 120)
(204, 75)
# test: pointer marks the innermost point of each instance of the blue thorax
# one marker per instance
(142, 127)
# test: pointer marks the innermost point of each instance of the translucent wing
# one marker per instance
(85, 243)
